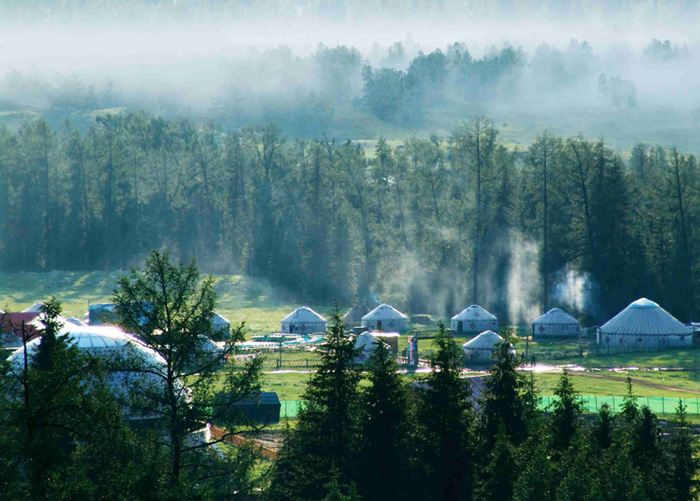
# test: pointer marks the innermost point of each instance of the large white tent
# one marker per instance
(555, 323)
(480, 349)
(644, 324)
(134, 366)
(474, 318)
(303, 320)
(385, 318)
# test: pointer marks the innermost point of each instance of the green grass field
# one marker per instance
(261, 307)
(240, 299)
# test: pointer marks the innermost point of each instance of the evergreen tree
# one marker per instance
(445, 425)
(505, 401)
(171, 308)
(384, 468)
(684, 462)
(566, 414)
(325, 437)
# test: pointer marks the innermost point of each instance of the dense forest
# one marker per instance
(430, 224)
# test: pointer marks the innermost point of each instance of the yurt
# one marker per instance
(474, 319)
(220, 325)
(644, 324)
(555, 323)
(480, 349)
(303, 320)
(353, 318)
(365, 343)
(124, 352)
(385, 318)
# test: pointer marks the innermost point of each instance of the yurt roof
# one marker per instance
(487, 340)
(474, 312)
(357, 311)
(98, 339)
(218, 319)
(364, 340)
(35, 308)
(303, 315)
(75, 321)
(645, 317)
(384, 311)
(555, 316)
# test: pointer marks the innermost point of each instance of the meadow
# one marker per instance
(261, 307)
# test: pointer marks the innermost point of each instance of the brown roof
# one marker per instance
(11, 323)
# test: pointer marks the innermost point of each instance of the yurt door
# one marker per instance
(379, 325)
(291, 328)
(460, 326)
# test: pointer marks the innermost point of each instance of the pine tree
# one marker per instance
(325, 437)
(505, 402)
(684, 462)
(566, 414)
(384, 466)
(445, 425)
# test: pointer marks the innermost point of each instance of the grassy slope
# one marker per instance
(240, 299)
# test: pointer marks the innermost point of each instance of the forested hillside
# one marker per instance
(430, 223)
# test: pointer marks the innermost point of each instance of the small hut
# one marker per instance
(480, 349)
(474, 319)
(555, 323)
(353, 318)
(644, 324)
(303, 320)
(385, 318)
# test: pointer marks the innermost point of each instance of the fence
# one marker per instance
(591, 404)
(276, 363)
(658, 405)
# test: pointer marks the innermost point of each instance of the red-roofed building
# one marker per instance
(11, 328)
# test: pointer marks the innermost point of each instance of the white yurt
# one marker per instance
(134, 365)
(353, 318)
(480, 349)
(303, 320)
(221, 325)
(473, 318)
(644, 324)
(555, 323)
(385, 318)
(365, 343)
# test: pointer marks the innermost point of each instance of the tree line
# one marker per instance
(437, 440)
(431, 224)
